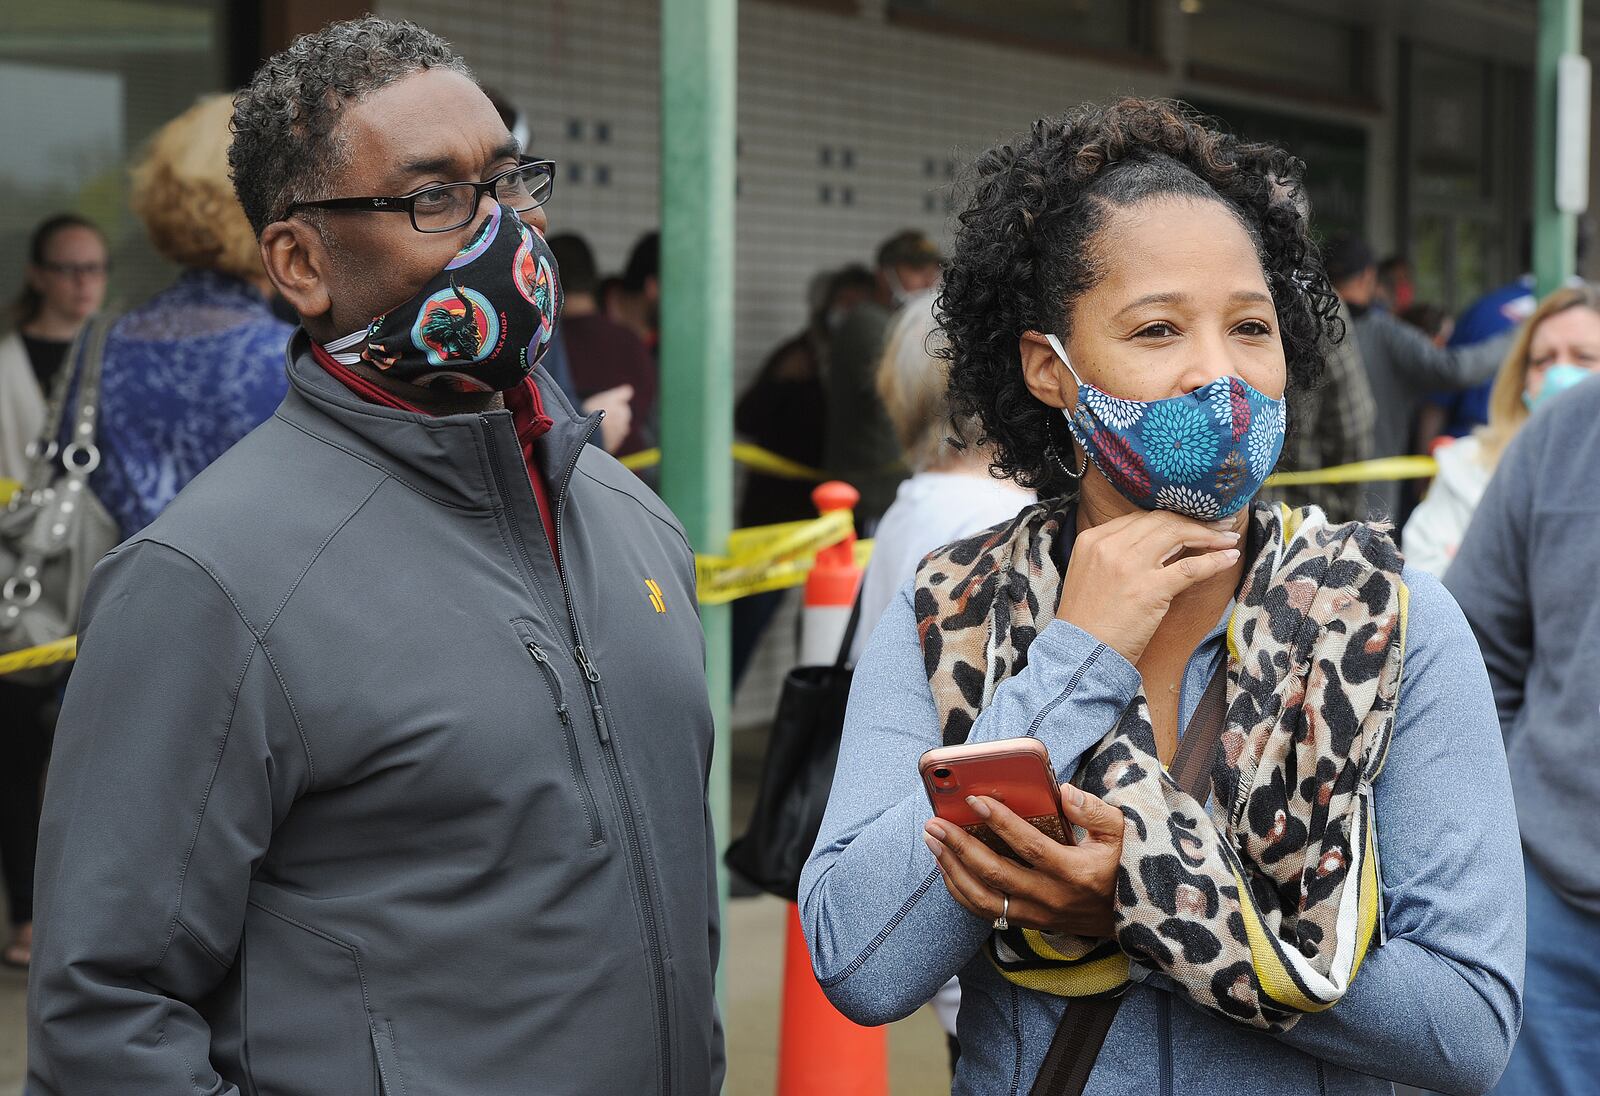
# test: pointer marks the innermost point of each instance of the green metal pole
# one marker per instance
(1555, 234)
(699, 58)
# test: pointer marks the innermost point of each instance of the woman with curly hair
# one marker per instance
(1132, 296)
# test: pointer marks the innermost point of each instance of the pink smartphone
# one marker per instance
(1016, 771)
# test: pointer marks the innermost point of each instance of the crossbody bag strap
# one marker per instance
(842, 661)
(1083, 1028)
(76, 393)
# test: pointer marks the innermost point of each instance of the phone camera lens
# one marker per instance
(942, 774)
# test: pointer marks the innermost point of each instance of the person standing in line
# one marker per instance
(384, 763)
(1524, 577)
(609, 363)
(1500, 310)
(1130, 358)
(66, 284)
(952, 493)
(1331, 424)
(1403, 366)
(860, 446)
(635, 303)
(200, 364)
(784, 411)
(1558, 348)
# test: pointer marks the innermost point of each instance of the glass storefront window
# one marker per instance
(1280, 49)
(1114, 26)
(83, 83)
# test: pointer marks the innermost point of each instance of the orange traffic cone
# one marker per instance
(831, 586)
(820, 1053)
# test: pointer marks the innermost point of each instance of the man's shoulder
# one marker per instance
(260, 514)
(623, 486)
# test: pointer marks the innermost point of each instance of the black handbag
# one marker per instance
(797, 773)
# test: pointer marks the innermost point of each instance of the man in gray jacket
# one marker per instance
(383, 767)
(1403, 366)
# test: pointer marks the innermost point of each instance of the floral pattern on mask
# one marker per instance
(1204, 454)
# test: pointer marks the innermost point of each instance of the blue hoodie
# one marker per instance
(1438, 1005)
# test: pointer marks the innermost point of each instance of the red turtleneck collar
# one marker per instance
(527, 414)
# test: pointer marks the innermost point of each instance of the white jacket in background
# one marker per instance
(1434, 531)
(22, 407)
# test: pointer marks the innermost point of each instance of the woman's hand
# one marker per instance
(1122, 576)
(1063, 889)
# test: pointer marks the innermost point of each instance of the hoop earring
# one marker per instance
(1052, 453)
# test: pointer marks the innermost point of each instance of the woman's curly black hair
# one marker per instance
(1025, 252)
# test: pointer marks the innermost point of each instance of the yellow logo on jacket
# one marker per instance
(655, 596)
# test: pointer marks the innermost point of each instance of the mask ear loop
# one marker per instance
(1055, 344)
(1050, 451)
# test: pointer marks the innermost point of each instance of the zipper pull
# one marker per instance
(538, 654)
(589, 672)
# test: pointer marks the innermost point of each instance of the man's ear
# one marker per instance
(1043, 372)
(297, 262)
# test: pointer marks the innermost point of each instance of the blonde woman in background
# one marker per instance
(951, 493)
(201, 364)
(1558, 347)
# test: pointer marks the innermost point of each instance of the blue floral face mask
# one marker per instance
(1205, 454)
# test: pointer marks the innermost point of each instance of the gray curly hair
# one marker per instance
(285, 117)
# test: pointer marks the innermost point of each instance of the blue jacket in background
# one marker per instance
(187, 374)
(1438, 1005)
(1496, 312)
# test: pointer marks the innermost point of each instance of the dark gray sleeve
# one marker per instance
(171, 766)
(1413, 356)
(1489, 577)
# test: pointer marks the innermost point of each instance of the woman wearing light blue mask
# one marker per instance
(1130, 297)
(1557, 348)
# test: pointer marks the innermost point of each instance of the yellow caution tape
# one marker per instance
(775, 557)
(754, 552)
(34, 658)
(776, 576)
(1367, 471)
(753, 457)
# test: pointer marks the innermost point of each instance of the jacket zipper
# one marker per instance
(630, 822)
(579, 776)
(1164, 1041)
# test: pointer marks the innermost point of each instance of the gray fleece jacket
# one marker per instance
(1438, 1005)
(1525, 577)
(355, 793)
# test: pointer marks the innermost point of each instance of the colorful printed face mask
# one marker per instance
(1557, 379)
(483, 323)
(1205, 454)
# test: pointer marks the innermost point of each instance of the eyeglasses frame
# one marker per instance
(406, 203)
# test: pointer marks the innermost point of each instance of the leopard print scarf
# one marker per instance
(1263, 911)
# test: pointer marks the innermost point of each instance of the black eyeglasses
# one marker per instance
(451, 205)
